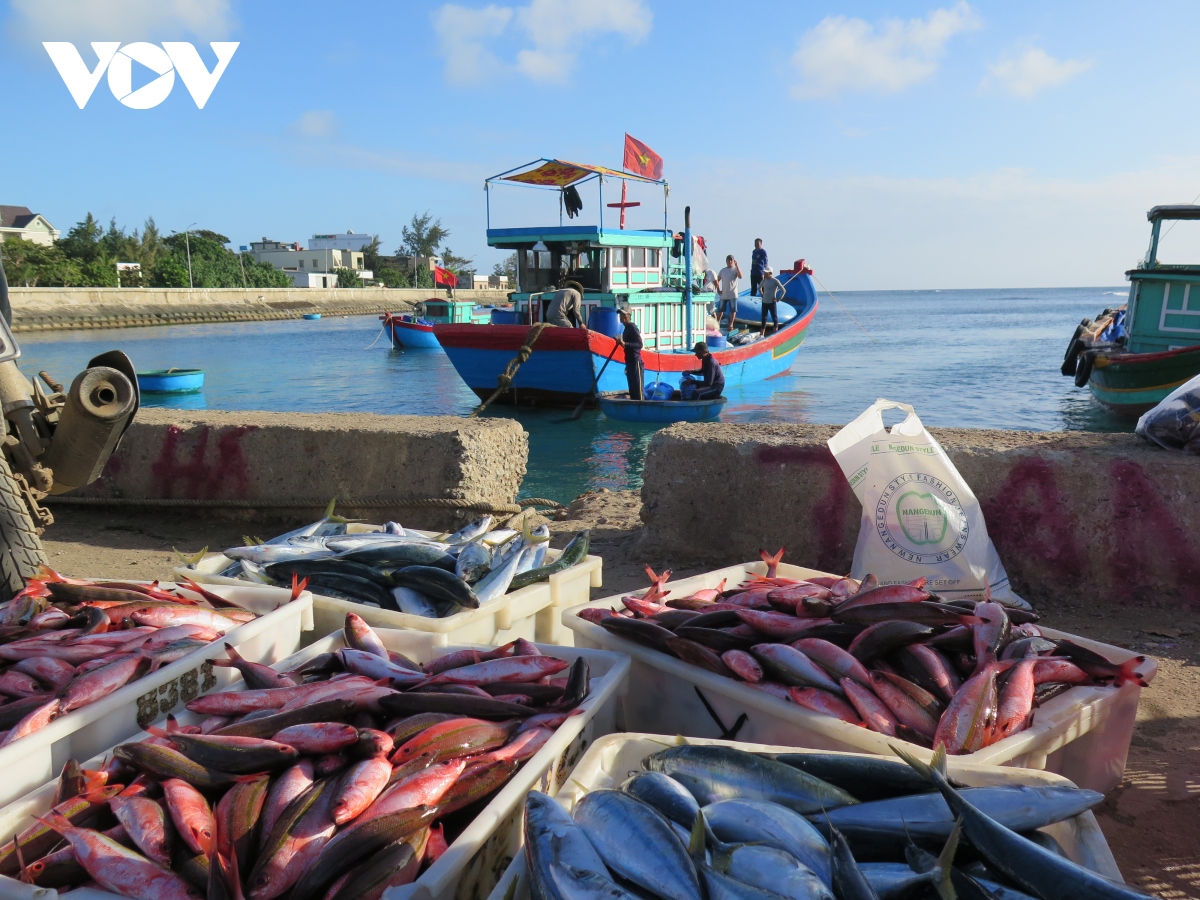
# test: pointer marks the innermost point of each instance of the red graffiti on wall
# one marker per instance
(829, 512)
(190, 474)
(1150, 549)
(1028, 520)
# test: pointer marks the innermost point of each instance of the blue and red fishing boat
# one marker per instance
(649, 272)
(415, 330)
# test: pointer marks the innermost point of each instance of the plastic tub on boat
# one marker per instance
(275, 634)
(612, 759)
(603, 319)
(472, 864)
(507, 317)
(533, 612)
(1083, 734)
(716, 341)
(171, 381)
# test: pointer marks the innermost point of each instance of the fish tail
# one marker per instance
(923, 769)
(1128, 671)
(298, 585)
(945, 864)
(696, 844)
(772, 561)
(158, 732)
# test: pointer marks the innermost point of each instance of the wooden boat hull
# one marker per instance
(661, 412)
(565, 361)
(1131, 383)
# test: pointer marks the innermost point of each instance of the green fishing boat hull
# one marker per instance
(1131, 383)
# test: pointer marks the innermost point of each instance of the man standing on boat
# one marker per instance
(727, 279)
(631, 340)
(772, 292)
(712, 379)
(758, 265)
(565, 304)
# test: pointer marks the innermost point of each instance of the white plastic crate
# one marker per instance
(613, 759)
(471, 866)
(1082, 734)
(36, 758)
(532, 613)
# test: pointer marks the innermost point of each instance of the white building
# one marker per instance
(346, 241)
(311, 267)
(25, 223)
(485, 283)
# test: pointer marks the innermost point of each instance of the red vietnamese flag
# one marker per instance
(641, 160)
(444, 276)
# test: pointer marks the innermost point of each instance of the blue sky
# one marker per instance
(892, 144)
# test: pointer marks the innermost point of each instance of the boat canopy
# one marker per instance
(576, 237)
(559, 173)
(1175, 211)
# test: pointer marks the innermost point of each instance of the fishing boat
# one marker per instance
(660, 412)
(415, 330)
(171, 381)
(1132, 356)
(650, 272)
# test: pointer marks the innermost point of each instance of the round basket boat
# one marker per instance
(312, 317)
(661, 411)
(171, 381)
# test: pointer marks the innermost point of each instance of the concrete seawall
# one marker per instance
(1074, 516)
(52, 309)
(259, 462)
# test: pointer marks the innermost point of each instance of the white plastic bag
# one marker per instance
(1175, 422)
(920, 518)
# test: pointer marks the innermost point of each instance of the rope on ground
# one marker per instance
(505, 379)
(419, 503)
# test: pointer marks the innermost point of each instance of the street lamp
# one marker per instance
(188, 244)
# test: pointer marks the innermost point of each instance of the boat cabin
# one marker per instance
(455, 312)
(643, 269)
(1162, 313)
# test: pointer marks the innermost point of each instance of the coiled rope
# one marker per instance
(421, 503)
(505, 379)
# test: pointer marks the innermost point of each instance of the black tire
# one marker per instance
(21, 552)
(1084, 372)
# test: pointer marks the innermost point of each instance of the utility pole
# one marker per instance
(188, 244)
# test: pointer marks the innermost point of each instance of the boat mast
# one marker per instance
(687, 276)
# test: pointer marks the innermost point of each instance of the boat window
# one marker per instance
(619, 257)
(637, 257)
(1179, 243)
(652, 258)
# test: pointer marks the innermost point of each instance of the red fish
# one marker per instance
(191, 814)
(424, 788)
(1016, 700)
(874, 712)
(779, 626)
(514, 669)
(361, 784)
(316, 738)
(772, 561)
(967, 721)
(834, 658)
(743, 665)
(824, 702)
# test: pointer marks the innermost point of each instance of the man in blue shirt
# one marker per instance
(631, 340)
(758, 262)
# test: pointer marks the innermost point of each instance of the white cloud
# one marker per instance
(316, 123)
(1031, 71)
(548, 35)
(996, 228)
(120, 20)
(842, 54)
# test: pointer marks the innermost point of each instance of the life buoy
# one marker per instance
(1074, 347)
(1084, 370)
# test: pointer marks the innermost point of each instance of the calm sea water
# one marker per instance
(975, 359)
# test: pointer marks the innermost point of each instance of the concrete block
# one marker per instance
(278, 457)
(1074, 516)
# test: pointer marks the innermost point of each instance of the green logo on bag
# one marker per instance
(920, 519)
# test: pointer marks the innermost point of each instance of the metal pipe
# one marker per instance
(687, 275)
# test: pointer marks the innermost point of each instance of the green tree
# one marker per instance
(82, 242)
(423, 235)
(509, 268)
(459, 265)
(36, 265)
(348, 278)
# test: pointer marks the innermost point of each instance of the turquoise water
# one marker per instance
(973, 359)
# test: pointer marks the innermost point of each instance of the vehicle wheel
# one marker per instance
(1084, 372)
(21, 552)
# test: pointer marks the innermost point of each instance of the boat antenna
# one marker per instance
(843, 309)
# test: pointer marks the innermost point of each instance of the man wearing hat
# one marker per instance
(712, 379)
(772, 292)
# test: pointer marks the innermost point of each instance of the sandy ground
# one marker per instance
(1151, 820)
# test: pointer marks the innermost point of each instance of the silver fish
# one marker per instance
(394, 528)
(253, 572)
(474, 562)
(470, 532)
(723, 887)
(324, 527)
(666, 795)
(772, 869)
(495, 583)
(755, 821)
(637, 843)
(578, 884)
(896, 881)
(714, 773)
(265, 554)
(553, 838)
(414, 603)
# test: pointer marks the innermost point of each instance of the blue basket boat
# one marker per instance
(661, 412)
(312, 317)
(171, 381)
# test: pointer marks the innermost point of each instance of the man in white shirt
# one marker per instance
(727, 280)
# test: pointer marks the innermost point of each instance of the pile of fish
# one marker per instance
(66, 643)
(405, 571)
(718, 823)
(892, 658)
(338, 779)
